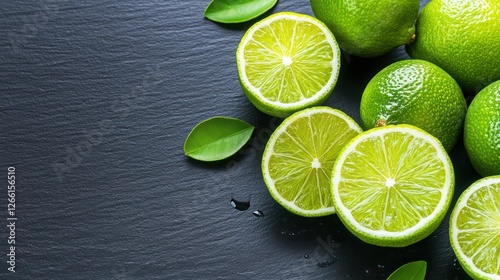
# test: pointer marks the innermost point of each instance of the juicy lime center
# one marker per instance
(288, 61)
(315, 163)
(389, 184)
(479, 228)
(299, 157)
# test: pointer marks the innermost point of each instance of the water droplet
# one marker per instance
(381, 266)
(258, 213)
(287, 232)
(240, 205)
(456, 264)
(293, 232)
(306, 256)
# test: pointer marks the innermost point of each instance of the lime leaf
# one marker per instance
(217, 138)
(235, 11)
(410, 271)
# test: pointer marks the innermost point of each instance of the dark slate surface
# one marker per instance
(97, 100)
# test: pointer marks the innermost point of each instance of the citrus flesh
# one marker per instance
(475, 229)
(287, 62)
(299, 156)
(461, 37)
(418, 93)
(392, 185)
(368, 28)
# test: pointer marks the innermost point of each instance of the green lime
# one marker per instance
(368, 28)
(392, 185)
(299, 156)
(482, 130)
(287, 62)
(475, 229)
(415, 92)
(462, 38)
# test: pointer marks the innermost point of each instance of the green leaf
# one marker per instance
(410, 271)
(217, 138)
(235, 11)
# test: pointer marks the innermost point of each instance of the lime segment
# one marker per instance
(299, 156)
(392, 185)
(287, 62)
(475, 229)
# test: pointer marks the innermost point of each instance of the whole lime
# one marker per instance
(462, 38)
(418, 93)
(368, 28)
(482, 130)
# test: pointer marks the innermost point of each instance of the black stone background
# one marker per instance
(97, 98)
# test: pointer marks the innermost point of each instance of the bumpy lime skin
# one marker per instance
(460, 36)
(368, 28)
(418, 93)
(482, 131)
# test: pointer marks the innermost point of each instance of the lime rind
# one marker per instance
(367, 228)
(284, 154)
(482, 196)
(418, 93)
(280, 54)
(368, 28)
(481, 131)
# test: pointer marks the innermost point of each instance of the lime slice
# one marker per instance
(288, 62)
(392, 185)
(475, 229)
(299, 156)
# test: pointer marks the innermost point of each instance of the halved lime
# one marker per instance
(299, 156)
(392, 185)
(475, 229)
(288, 62)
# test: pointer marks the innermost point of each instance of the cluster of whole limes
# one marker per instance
(455, 48)
(289, 62)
